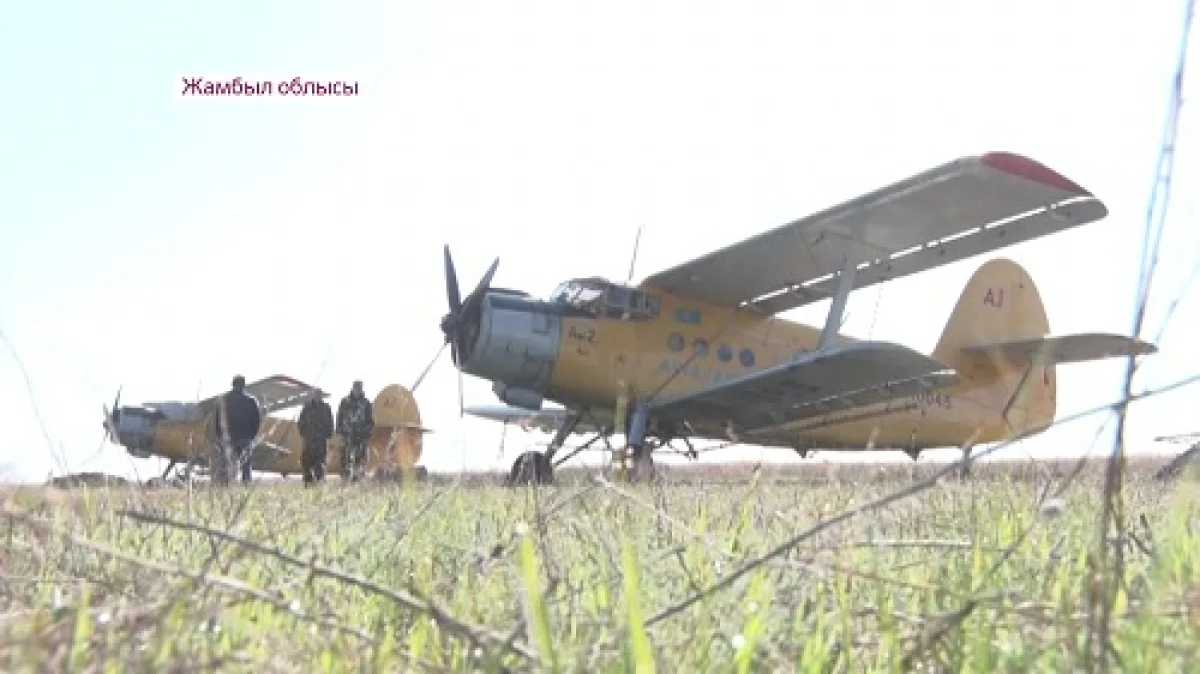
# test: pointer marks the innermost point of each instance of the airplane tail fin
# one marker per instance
(996, 338)
(396, 441)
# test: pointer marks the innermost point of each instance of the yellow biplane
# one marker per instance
(698, 351)
(184, 432)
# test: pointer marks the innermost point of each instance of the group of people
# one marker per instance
(354, 424)
(239, 418)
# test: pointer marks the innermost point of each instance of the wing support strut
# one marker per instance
(574, 452)
(833, 322)
(563, 432)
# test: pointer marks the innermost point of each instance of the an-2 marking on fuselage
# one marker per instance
(582, 334)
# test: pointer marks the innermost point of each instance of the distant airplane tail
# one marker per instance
(996, 340)
(396, 441)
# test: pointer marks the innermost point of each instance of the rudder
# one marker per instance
(396, 442)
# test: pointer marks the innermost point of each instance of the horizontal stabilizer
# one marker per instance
(1065, 349)
(816, 383)
(411, 425)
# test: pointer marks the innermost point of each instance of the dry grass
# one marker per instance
(991, 574)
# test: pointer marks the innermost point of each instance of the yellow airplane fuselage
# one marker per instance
(603, 360)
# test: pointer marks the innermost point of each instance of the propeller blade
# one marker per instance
(112, 418)
(110, 432)
(475, 300)
(460, 394)
(473, 305)
(476, 296)
(452, 294)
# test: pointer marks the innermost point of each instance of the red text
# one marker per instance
(994, 298)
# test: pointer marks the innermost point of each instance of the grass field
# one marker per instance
(997, 573)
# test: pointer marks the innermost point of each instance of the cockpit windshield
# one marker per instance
(577, 293)
(598, 297)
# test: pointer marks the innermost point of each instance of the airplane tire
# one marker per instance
(531, 468)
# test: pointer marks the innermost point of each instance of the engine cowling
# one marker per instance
(517, 347)
(135, 430)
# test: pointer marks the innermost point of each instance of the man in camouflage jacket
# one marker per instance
(355, 422)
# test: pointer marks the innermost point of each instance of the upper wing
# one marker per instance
(963, 208)
(547, 421)
(848, 376)
(1065, 349)
(280, 392)
(275, 393)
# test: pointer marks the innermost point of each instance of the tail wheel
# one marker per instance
(531, 468)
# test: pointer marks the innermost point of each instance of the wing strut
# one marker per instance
(833, 322)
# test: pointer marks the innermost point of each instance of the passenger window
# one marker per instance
(700, 346)
(746, 357)
(675, 342)
(725, 353)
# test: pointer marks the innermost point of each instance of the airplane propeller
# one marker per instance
(463, 317)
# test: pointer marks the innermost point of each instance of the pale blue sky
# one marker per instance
(165, 243)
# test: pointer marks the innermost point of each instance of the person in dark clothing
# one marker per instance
(316, 427)
(238, 421)
(355, 422)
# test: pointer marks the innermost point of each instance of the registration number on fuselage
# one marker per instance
(932, 399)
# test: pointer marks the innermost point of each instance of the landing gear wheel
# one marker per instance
(531, 468)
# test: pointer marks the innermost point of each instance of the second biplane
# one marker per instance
(698, 351)
(184, 432)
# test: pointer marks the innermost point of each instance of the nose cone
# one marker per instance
(461, 333)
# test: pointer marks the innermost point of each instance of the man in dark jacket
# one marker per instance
(238, 421)
(316, 427)
(355, 422)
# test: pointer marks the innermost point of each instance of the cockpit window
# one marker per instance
(601, 298)
(577, 294)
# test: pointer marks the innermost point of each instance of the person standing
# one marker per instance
(355, 422)
(316, 427)
(238, 420)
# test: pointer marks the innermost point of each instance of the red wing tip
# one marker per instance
(1028, 169)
